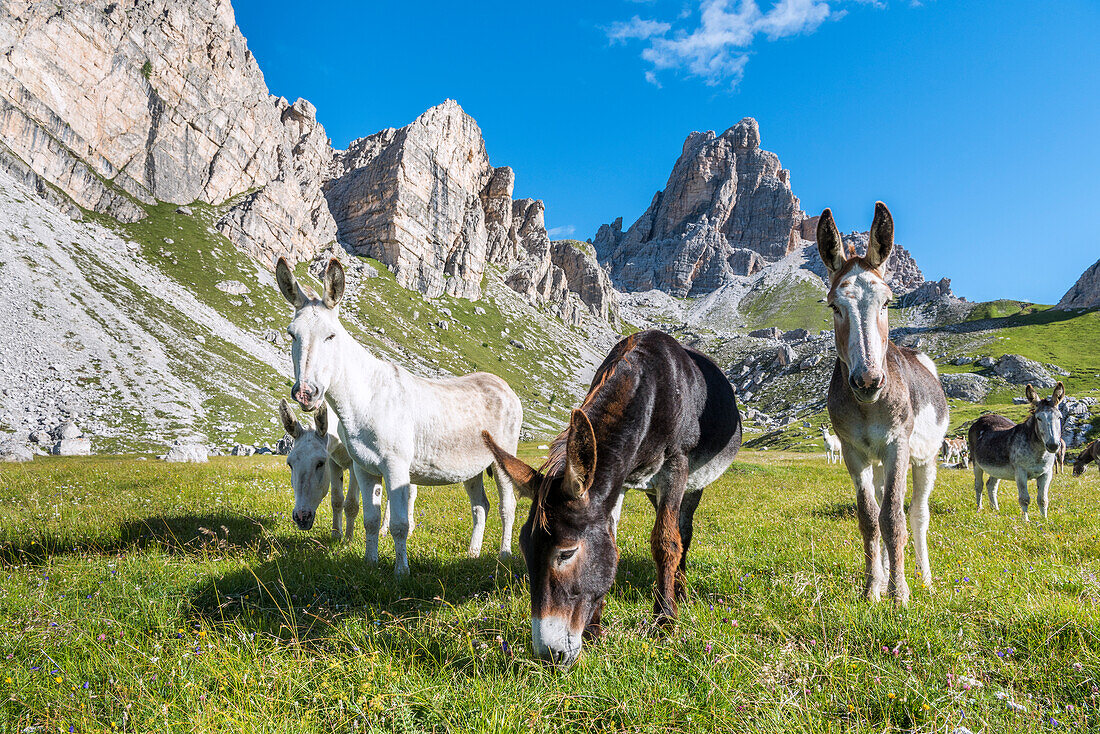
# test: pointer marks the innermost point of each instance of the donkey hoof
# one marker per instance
(337, 534)
(504, 555)
(401, 571)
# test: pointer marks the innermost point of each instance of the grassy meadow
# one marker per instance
(139, 596)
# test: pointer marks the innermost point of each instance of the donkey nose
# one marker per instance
(302, 393)
(867, 380)
(303, 518)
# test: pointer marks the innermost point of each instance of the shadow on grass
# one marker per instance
(847, 510)
(185, 534)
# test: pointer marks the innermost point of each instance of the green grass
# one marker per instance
(140, 596)
(791, 304)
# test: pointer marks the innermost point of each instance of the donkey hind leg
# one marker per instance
(351, 504)
(336, 496)
(880, 488)
(1042, 483)
(479, 509)
(978, 481)
(664, 541)
(991, 485)
(399, 494)
(506, 498)
(867, 512)
(1021, 490)
(924, 478)
(372, 510)
(687, 516)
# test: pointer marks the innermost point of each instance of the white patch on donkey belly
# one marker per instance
(928, 433)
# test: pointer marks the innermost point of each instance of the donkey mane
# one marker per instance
(612, 386)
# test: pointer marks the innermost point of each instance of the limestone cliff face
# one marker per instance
(121, 103)
(726, 200)
(1085, 293)
(425, 200)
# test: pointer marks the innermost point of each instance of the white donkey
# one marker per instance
(396, 426)
(317, 461)
(832, 446)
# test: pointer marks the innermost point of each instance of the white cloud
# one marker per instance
(636, 28)
(717, 47)
(566, 230)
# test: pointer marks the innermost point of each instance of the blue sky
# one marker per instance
(976, 122)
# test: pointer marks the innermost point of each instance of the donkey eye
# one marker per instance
(565, 555)
(330, 337)
(320, 464)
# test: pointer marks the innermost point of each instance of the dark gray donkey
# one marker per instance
(1021, 451)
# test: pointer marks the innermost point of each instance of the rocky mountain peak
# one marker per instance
(1085, 293)
(725, 201)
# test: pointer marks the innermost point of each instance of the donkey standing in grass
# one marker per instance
(886, 405)
(398, 427)
(1025, 451)
(832, 446)
(1090, 453)
(317, 461)
(658, 417)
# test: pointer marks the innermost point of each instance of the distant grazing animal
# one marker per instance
(1090, 453)
(397, 426)
(885, 403)
(1025, 451)
(317, 461)
(832, 446)
(658, 417)
(1060, 457)
(955, 451)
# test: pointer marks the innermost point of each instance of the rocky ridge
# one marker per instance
(1085, 293)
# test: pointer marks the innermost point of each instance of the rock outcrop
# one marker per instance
(425, 200)
(120, 104)
(726, 200)
(1085, 293)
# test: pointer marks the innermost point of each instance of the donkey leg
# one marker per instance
(991, 485)
(924, 478)
(892, 520)
(867, 511)
(506, 499)
(978, 482)
(479, 509)
(879, 473)
(664, 541)
(687, 517)
(398, 494)
(372, 511)
(412, 508)
(1021, 491)
(351, 505)
(1041, 486)
(336, 485)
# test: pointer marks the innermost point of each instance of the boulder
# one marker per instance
(13, 451)
(73, 447)
(1020, 370)
(985, 362)
(242, 450)
(232, 287)
(194, 453)
(284, 445)
(771, 332)
(68, 429)
(795, 335)
(966, 386)
(784, 356)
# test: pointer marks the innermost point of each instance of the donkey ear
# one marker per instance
(320, 421)
(334, 283)
(882, 238)
(288, 284)
(290, 423)
(1032, 396)
(1059, 393)
(829, 245)
(580, 455)
(525, 479)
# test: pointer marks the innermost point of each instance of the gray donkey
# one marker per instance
(1024, 451)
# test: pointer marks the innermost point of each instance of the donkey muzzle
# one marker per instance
(305, 395)
(303, 519)
(866, 386)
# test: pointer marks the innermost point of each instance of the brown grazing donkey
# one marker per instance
(886, 405)
(1091, 453)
